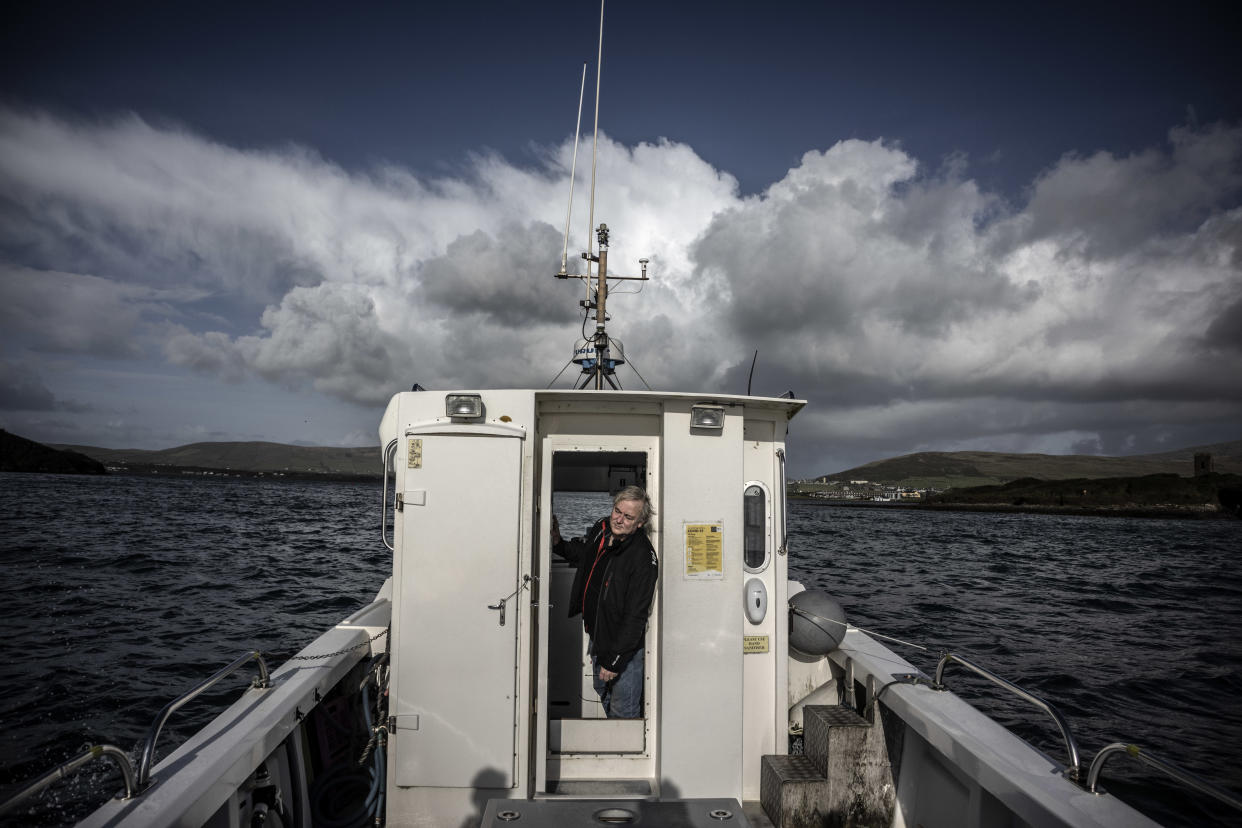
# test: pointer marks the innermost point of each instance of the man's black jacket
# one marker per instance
(630, 571)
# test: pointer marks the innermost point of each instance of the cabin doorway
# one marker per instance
(577, 742)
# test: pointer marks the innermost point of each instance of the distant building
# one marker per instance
(1203, 464)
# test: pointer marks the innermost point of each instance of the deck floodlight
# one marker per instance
(707, 416)
(463, 405)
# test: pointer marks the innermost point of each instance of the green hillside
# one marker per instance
(940, 470)
(17, 454)
(246, 457)
(960, 469)
(1208, 495)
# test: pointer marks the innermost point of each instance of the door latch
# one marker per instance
(500, 605)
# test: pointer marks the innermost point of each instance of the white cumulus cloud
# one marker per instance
(910, 305)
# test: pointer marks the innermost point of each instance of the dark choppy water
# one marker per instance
(122, 592)
(1130, 627)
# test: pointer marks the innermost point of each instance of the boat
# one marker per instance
(462, 694)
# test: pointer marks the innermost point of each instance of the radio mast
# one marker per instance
(595, 354)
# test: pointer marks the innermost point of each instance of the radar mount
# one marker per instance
(594, 354)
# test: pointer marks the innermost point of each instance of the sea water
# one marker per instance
(122, 592)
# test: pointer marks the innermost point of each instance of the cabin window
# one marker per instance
(755, 526)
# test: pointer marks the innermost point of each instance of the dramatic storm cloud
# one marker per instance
(913, 307)
(914, 304)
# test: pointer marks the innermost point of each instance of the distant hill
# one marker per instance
(941, 470)
(1167, 495)
(983, 468)
(17, 454)
(267, 458)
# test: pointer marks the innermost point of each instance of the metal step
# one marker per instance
(842, 780)
(792, 791)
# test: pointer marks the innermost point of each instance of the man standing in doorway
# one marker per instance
(613, 589)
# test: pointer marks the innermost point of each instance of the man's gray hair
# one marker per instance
(639, 494)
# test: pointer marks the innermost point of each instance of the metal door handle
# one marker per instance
(500, 606)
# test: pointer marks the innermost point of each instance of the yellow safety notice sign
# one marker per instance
(704, 550)
(414, 455)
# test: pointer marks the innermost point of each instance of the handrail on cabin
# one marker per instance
(783, 549)
(148, 747)
(1074, 771)
(1178, 773)
(91, 753)
(388, 452)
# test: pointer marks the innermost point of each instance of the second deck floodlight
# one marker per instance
(463, 405)
(707, 416)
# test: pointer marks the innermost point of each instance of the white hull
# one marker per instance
(957, 766)
(205, 780)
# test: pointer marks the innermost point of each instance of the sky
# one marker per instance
(946, 226)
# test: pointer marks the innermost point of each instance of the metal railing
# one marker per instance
(1180, 774)
(388, 454)
(1074, 771)
(91, 753)
(148, 747)
(783, 549)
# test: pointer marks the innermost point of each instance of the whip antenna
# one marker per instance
(594, 352)
(573, 169)
(599, 70)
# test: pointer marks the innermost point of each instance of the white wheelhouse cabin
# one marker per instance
(490, 688)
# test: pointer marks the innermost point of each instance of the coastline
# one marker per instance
(1201, 511)
(156, 469)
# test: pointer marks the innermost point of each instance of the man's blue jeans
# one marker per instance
(623, 696)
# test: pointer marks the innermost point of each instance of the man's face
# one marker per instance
(624, 518)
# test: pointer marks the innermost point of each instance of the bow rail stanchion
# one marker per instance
(148, 747)
(1074, 771)
(134, 785)
(62, 771)
(1180, 774)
